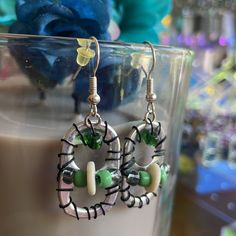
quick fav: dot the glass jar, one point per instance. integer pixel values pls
(37, 108)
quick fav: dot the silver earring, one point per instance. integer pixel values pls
(93, 133)
(149, 131)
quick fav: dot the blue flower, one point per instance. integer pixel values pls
(114, 87)
(48, 66)
(66, 18)
(47, 61)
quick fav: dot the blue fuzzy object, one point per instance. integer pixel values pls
(47, 67)
(66, 18)
(46, 62)
(113, 88)
(81, 19)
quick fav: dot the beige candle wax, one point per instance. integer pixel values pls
(29, 143)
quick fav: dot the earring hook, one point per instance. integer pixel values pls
(94, 97)
(150, 94)
(153, 57)
(97, 55)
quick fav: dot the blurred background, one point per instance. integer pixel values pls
(205, 201)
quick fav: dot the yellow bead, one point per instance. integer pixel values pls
(139, 60)
(155, 173)
(91, 180)
(84, 56)
(84, 42)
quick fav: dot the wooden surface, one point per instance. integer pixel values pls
(197, 215)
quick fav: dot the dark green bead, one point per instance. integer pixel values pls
(144, 178)
(80, 178)
(148, 138)
(93, 140)
(104, 179)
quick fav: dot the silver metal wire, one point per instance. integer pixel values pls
(67, 161)
(150, 94)
(94, 98)
(153, 58)
(97, 56)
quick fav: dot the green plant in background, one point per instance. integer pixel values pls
(228, 231)
(227, 71)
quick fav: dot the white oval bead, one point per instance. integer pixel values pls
(155, 172)
(91, 181)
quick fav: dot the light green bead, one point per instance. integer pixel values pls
(80, 178)
(144, 178)
(164, 176)
(104, 179)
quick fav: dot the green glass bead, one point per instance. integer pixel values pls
(104, 179)
(93, 140)
(148, 138)
(80, 178)
(144, 178)
(164, 173)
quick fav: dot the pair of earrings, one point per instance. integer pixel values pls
(114, 176)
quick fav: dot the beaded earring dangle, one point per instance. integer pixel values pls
(93, 133)
(149, 131)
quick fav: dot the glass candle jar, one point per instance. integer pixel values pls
(39, 103)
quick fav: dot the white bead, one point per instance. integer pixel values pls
(91, 181)
(155, 172)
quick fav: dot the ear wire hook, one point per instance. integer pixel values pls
(94, 98)
(151, 97)
(153, 58)
(97, 55)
